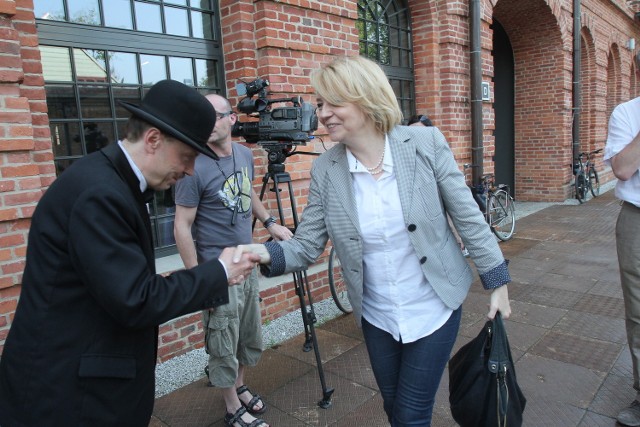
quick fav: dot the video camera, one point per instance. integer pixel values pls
(277, 126)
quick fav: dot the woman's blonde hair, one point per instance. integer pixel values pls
(360, 81)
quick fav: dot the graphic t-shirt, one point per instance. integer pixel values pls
(221, 190)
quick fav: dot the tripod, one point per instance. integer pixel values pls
(276, 155)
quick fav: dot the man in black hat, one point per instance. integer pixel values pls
(83, 343)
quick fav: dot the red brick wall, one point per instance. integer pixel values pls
(26, 166)
(284, 41)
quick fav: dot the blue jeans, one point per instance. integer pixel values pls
(408, 375)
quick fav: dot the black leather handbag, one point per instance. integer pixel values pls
(483, 390)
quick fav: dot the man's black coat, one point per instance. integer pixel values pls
(82, 346)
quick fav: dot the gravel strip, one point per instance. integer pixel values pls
(187, 368)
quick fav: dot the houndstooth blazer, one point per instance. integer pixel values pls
(430, 185)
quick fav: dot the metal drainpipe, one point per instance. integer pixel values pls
(577, 94)
(476, 90)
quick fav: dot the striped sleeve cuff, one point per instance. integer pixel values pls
(496, 277)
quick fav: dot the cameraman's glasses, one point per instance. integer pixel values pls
(223, 115)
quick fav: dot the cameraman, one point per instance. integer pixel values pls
(219, 200)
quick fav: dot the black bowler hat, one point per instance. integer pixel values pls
(179, 111)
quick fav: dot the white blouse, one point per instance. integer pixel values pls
(397, 298)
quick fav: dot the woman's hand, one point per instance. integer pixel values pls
(255, 248)
(500, 302)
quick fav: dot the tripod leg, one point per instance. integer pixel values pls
(301, 284)
(309, 318)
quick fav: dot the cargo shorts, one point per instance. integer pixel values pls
(233, 333)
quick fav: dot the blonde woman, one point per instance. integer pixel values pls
(382, 196)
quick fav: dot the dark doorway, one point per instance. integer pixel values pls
(503, 106)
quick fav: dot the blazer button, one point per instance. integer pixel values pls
(412, 227)
(423, 260)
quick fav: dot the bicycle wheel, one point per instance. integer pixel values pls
(581, 187)
(502, 215)
(594, 182)
(337, 285)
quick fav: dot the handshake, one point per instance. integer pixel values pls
(241, 260)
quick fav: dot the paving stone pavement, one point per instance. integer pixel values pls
(567, 337)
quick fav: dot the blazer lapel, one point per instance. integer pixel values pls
(342, 183)
(403, 150)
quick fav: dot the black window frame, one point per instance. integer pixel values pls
(386, 37)
(93, 37)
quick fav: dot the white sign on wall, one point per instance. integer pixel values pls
(486, 91)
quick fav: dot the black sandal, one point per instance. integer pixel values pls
(231, 419)
(255, 399)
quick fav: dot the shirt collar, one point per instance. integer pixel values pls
(136, 169)
(356, 167)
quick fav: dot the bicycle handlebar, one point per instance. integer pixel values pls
(589, 154)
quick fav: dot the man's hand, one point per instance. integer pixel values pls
(279, 232)
(500, 302)
(256, 249)
(238, 269)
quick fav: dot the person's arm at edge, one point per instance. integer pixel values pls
(277, 231)
(627, 161)
(185, 216)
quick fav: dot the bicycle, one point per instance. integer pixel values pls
(336, 283)
(496, 204)
(586, 176)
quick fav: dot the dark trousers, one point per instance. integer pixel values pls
(628, 245)
(408, 375)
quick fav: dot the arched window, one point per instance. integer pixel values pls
(385, 37)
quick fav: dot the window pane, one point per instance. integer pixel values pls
(153, 69)
(117, 13)
(97, 136)
(61, 165)
(94, 102)
(164, 202)
(56, 64)
(49, 9)
(90, 65)
(202, 25)
(120, 126)
(84, 11)
(148, 17)
(178, 2)
(176, 21)
(206, 73)
(66, 140)
(165, 230)
(202, 4)
(123, 67)
(181, 70)
(61, 101)
(126, 94)
(165, 225)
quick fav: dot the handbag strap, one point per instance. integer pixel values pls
(499, 360)
(499, 363)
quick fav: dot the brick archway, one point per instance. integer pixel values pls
(542, 96)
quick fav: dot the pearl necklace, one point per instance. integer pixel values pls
(378, 166)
